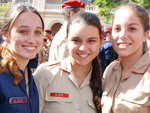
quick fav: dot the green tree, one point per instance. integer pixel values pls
(106, 7)
(145, 3)
(3, 10)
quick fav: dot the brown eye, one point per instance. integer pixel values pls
(38, 32)
(23, 32)
(132, 29)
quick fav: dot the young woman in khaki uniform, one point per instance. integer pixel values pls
(127, 81)
(74, 85)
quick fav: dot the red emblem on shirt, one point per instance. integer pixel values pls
(17, 100)
(59, 95)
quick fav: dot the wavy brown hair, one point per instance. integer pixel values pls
(96, 78)
(7, 59)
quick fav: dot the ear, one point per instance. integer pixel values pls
(146, 36)
(66, 39)
(6, 37)
(71, 14)
(108, 34)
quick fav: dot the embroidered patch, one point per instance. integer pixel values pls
(17, 100)
(59, 95)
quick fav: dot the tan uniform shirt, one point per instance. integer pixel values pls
(46, 55)
(49, 46)
(59, 48)
(59, 91)
(41, 53)
(131, 93)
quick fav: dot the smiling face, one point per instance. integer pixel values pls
(128, 33)
(25, 36)
(83, 43)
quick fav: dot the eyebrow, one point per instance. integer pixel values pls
(27, 27)
(133, 24)
(88, 38)
(127, 25)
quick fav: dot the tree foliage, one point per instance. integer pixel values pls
(145, 3)
(106, 7)
(3, 10)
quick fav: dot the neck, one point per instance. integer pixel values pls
(108, 39)
(81, 71)
(128, 62)
(22, 64)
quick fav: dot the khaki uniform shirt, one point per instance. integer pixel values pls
(131, 93)
(59, 91)
(41, 53)
(46, 55)
(49, 46)
(59, 48)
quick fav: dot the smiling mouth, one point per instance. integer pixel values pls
(83, 56)
(30, 48)
(124, 45)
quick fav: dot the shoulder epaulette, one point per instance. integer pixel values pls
(49, 63)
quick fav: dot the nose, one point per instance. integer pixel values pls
(123, 34)
(83, 47)
(31, 38)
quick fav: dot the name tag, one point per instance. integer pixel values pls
(59, 95)
(17, 100)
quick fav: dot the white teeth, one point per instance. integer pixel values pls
(83, 56)
(124, 44)
(31, 48)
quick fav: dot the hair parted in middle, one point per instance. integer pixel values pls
(7, 59)
(96, 78)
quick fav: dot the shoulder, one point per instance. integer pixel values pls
(47, 67)
(107, 44)
(46, 64)
(46, 71)
(111, 67)
(59, 37)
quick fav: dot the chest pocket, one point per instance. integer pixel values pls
(139, 98)
(57, 102)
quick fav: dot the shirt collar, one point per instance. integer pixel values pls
(140, 66)
(66, 66)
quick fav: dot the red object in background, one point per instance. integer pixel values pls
(44, 38)
(48, 30)
(53, 34)
(109, 28)
(73, 3)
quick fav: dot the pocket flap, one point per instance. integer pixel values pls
(91, 103)
(138, 98)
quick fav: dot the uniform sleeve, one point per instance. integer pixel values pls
(53, 50)
(43, 77)
(43, 52)
(39, 80)
(108, 71)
